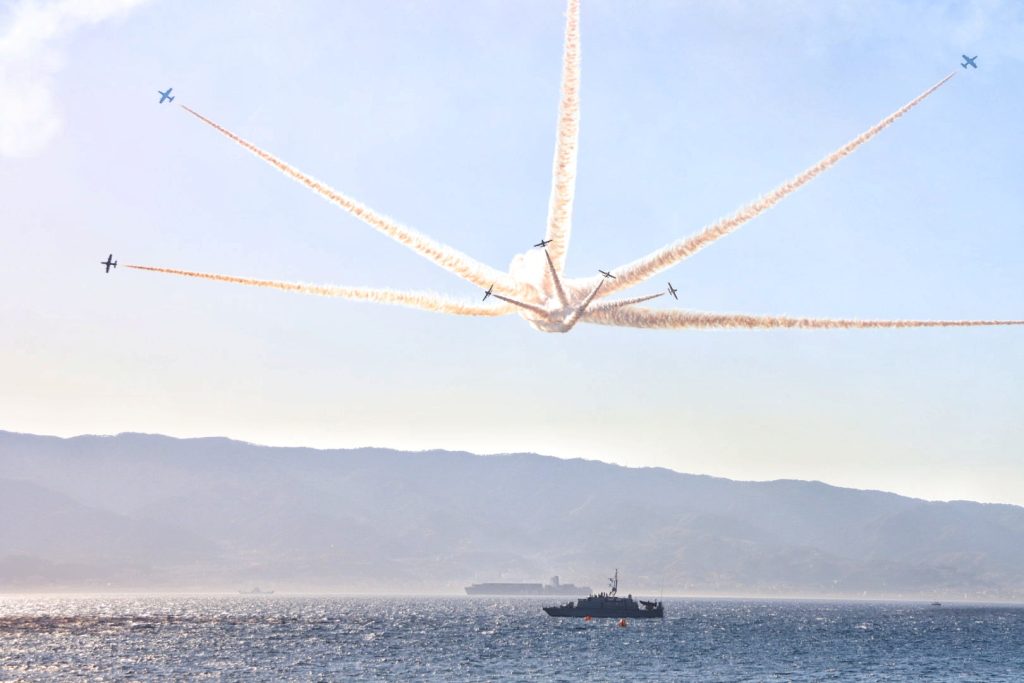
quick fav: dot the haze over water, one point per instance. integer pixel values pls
(465, 639)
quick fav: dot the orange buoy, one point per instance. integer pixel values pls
(588, 618)
(622, 622)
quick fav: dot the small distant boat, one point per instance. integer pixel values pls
(936, 604)
(256, 591)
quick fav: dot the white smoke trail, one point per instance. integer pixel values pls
(642, 269)
(671, 319)
(619, 303)
(571, 321)
(448, 258)
(423, 300)
(563, 181)
(562, 299)
(530, 307)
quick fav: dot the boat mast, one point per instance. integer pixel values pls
(614, 583)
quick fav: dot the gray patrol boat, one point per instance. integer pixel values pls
(609, 606)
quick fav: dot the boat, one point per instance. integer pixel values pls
(556, 587)
(609, 606)
(256, 591)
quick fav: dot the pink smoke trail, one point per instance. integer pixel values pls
(644, 268)
(671, 319)
(448, 258)
(423, 300)
(563, 182)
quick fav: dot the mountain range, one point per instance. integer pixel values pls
(149, 512)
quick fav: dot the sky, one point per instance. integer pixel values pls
(441, 115)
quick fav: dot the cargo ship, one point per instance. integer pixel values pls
(555, 587)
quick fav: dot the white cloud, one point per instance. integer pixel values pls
(31, 40)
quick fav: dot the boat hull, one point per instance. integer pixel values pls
(656, 613)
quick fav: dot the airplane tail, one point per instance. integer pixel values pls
(171, 99)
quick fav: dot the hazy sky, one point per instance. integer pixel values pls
(441, 114)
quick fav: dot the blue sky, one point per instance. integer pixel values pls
(441, 114)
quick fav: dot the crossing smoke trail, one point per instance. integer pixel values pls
(448, 258)
(522, 304)
(563, 181)
(530, 289)
(571, 321)
(423, 300)
(671, 320)
(644, 268)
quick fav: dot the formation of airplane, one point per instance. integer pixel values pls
(165, 95)
(109, 263)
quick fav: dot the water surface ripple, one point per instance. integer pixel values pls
(272, 638)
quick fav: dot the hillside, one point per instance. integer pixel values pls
(151, 512)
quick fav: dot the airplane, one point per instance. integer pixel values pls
(165, 95)
(488, 292)
(606, 273)
(109, 263)
(969, 60)
(543, 243)
(672, 290)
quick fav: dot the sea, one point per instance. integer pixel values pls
(331, 638)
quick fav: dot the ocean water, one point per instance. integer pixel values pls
(274, 638)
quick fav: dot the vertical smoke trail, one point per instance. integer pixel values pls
(644, 268)
(671, 319)
(422, 300)
(563, 181)
(571, 321)
(562, 299)
(454, 261)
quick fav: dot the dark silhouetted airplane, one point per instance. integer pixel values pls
(543, 243)
(165, 95)
(969, 61)
(488, 292)
(606, 273)
(672, 290)
(109, 263)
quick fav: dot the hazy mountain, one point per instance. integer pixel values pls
(140, 511)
